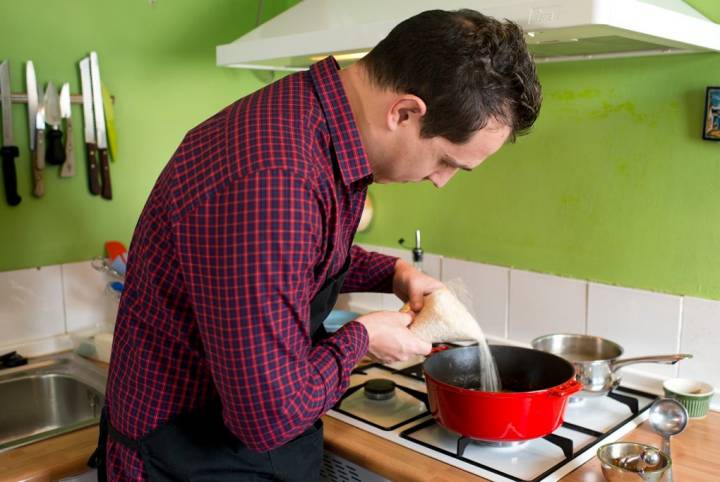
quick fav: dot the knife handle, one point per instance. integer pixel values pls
(9, 153)
(93, 180)
(105, 174)
(68, 167)
(38, 164)
(55, 153)
(40, 152)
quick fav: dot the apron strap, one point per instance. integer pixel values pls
(97, 459)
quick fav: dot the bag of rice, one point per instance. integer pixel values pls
(443, 319)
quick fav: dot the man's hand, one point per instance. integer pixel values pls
(412, 285)
(390, 339)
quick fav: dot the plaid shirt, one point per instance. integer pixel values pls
(257, 207)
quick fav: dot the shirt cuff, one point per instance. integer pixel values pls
(354, 337)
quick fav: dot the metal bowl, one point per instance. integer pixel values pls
(622, 461)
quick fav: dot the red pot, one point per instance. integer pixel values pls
(536, 386)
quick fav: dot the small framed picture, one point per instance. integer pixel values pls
(711, 130)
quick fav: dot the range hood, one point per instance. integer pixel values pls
(556, 30)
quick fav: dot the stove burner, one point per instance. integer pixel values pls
(463, 443)
(379, 389)
(564, 443)
(502, 445)
(630, 401)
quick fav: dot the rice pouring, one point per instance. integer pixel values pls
(444, 318)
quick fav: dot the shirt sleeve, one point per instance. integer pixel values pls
(248, 254)
(369, 271)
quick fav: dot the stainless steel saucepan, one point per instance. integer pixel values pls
(596, 359)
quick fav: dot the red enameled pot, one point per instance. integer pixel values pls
(535, 390)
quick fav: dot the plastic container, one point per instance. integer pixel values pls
(94, 343)
(337, 318)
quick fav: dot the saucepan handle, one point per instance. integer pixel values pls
(566, 389)
(669, 359)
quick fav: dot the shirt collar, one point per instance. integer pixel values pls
(351, 157)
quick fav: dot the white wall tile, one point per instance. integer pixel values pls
(642, 322)
(487, 288)
(31, 304)
(390, 302)
(87, 303)
(700, 333)
(432, 263)
(542, 304)
(360, 302)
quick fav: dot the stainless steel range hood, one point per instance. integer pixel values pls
(556, 30)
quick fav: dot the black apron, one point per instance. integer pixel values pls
(198, 447)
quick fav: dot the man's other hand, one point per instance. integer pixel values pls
(390, 338)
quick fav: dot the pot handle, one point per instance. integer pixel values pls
(668, 359)
(567, 388)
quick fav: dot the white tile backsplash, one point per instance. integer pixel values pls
(642, 322)
(40, 305)
(363, 302)
(542, 304)
(432, 263)
(87, 303)
(700, 335)
(31, 304)
(487, 290)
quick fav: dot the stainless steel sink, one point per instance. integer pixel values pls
(49, 397)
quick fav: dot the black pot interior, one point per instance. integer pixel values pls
(520, 369)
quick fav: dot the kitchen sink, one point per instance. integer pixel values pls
(51, 396)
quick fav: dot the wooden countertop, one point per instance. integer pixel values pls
(696, 455)
(49, 459)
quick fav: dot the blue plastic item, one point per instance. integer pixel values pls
(118, 265)
(337, 318)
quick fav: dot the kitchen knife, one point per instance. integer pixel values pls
(39, 163)
(9, 150)
(110, 123)
(100, 134)
(32, 95)
(68, 167)
(55, 152)
(89, 123)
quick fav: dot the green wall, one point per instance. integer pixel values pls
(159, 63)
(614, 184)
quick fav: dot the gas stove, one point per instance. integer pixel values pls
(391, 402)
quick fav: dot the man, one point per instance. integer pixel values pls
(220, 369)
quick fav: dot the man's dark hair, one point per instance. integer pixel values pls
(466, 67)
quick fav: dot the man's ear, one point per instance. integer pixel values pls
(404, 109)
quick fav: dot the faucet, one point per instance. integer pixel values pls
(417, 251)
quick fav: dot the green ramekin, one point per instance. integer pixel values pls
(694, 395)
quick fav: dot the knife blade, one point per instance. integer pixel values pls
(89, 126)
(106, 190)
(110, 123)
(68, 167)
(40, 132)
(55, 152)
(9, 150)
(32, 95)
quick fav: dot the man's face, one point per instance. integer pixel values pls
(436, 159)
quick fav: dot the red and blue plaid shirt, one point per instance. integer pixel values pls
(257, 207)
